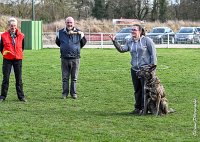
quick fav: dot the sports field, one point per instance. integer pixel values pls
(105, 98)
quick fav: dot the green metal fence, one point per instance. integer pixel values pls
(33, 34)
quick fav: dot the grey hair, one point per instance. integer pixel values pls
(12, 19)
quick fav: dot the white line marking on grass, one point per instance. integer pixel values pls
(163, 67)
(107, 70)
(195, 118)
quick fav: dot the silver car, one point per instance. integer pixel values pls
(187, 35)
(123, 35)
(198, 28)
(161, 35)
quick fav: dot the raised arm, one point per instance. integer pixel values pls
(117, 45)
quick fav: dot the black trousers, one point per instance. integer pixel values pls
(6, 69)
(138, 84)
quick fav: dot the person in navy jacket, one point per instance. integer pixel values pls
(70, 40)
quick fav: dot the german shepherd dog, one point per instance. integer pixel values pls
(155, 100)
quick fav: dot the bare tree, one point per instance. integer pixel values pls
(128, 8)
(51, 10)
(84, 8)
(163, 10)
(154, 12)
(19, 8)
(142, 9)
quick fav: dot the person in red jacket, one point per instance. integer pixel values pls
(11, 47)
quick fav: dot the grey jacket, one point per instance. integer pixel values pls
(143, 51)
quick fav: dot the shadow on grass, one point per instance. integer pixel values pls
(103, 113)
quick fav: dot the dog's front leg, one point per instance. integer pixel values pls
(158, 104)
(145, 101)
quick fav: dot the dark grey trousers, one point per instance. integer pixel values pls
(138, 84)
(70, 68)
(6, 69)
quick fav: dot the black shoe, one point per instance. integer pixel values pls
(136, 112)
(23, 100)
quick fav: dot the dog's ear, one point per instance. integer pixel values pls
(152, 67)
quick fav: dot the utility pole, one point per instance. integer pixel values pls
(33, 10)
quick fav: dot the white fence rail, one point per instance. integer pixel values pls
(102, 40)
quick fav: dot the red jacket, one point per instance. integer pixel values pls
(10, 51)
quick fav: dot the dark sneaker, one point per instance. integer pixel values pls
(23, 100)
(74, 96)
(136, 112)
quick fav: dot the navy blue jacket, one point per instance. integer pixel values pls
(70, 44)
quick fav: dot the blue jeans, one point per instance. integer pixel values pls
(6, 69)
(138, 84)
(70, 68)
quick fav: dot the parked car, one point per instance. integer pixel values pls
(187, 35)
(161, 35)
(198, 28)
(123, 35)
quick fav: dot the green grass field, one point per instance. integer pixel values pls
(105, 98)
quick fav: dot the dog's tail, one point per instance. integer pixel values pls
(171, 110)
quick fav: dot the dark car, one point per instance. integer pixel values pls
(187, 35)
(123, 35)
(161, 35)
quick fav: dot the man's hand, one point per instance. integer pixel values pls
(72, 32)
